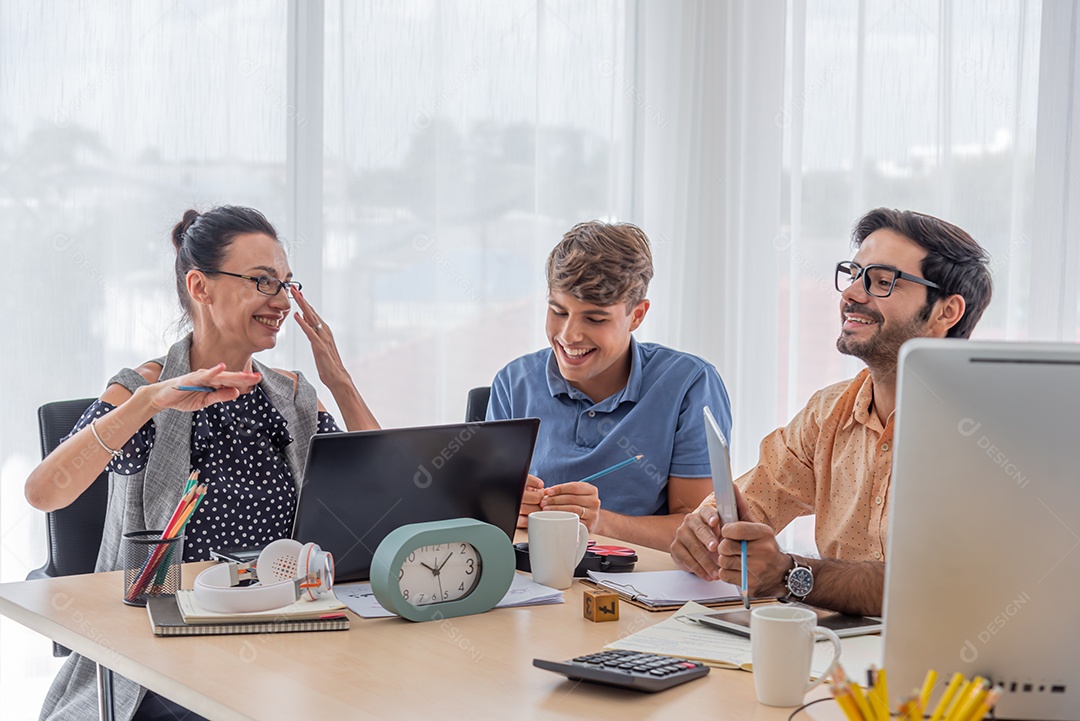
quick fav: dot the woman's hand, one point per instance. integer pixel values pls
(576, 497)
(327, 359)
(354, 410)
(226, 384)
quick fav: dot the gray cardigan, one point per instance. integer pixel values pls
(146, 500)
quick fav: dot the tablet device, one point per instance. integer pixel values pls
(738, 621)
(720, 462)
(245, 554)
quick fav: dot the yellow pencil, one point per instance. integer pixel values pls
(986, 705)
(862, 703)
(846, 703)
(915, 706)
(957, 700)
(880, 695)
(976, 693)
(927, 688)
(950, 691)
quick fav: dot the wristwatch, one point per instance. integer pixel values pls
(799, 581)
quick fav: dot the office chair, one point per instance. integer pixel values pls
(476, 405)
(74, 532)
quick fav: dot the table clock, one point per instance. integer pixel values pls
(442, 569)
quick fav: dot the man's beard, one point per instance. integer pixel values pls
(882, 349)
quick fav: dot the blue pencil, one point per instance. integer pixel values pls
(745, 590)
(199, 389)
(616, 467)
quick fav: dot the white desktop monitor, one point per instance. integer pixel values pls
(983, 560)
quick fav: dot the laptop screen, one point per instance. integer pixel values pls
(360, 486)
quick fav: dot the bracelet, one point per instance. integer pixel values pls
(117, 455)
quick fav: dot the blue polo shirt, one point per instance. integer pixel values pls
(658, 414)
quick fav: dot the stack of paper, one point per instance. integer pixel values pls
(523, 592)
(666, 588)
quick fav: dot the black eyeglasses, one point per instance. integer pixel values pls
(878, 280)
(265, 284)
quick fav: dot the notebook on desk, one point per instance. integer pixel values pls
(360, 486)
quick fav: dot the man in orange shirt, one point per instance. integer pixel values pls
(913, 276)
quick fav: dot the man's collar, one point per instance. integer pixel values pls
(864, 400)
(632, 392)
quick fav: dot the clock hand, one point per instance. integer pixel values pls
(434, 571)
(446, 559)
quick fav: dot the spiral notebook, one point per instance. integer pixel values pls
(166, 620)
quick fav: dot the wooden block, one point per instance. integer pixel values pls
(601, 606)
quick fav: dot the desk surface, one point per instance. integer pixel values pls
(380, 668)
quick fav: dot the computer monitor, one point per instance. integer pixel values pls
(983, 558)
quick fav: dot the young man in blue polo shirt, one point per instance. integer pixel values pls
(602, 397)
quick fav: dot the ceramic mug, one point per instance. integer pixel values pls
(782, 646)
(557, 542)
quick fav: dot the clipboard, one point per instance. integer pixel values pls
(627, 593)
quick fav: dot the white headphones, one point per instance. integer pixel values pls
(286, 572)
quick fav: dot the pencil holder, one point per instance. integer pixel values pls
(151, 566)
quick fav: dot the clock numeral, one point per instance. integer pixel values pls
(400, 574)
(461, 587)
(412, 557)
(472, 566)
(436, 547)
(421, 599)
(405, 594)
(445, 595)
(462, 551)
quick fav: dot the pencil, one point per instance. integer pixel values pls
(947, 697)
(616, 467)
(197, 389)
(927, 688)
(745, 591)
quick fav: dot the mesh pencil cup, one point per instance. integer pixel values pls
(151, 566)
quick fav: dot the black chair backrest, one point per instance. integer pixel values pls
(75, 531)
(476, 406)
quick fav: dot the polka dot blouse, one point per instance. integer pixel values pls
(238, 448)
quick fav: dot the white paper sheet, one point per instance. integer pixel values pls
(359, 598)
(666, 587)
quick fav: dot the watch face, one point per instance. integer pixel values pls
(800, 581)
(439, 573)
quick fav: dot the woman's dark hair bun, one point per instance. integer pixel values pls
(190, 216)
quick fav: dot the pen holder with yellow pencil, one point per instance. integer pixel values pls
(962, 700)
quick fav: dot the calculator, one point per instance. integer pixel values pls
(629, 669)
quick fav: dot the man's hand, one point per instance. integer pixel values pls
(766, 564)
(575, 497)
(696, 541)
(530, 502)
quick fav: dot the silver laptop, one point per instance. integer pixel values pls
(983, 558)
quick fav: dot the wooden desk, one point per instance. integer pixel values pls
(476, 667)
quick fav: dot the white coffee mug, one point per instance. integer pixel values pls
(782, 646)
(557, 542)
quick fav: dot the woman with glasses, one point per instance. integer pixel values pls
(206, 406)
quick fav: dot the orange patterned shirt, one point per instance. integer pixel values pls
(833, 459)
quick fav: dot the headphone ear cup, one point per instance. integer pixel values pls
(279, 561)
(317, 563)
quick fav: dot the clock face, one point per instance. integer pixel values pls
(800, 582)
(440, 573)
